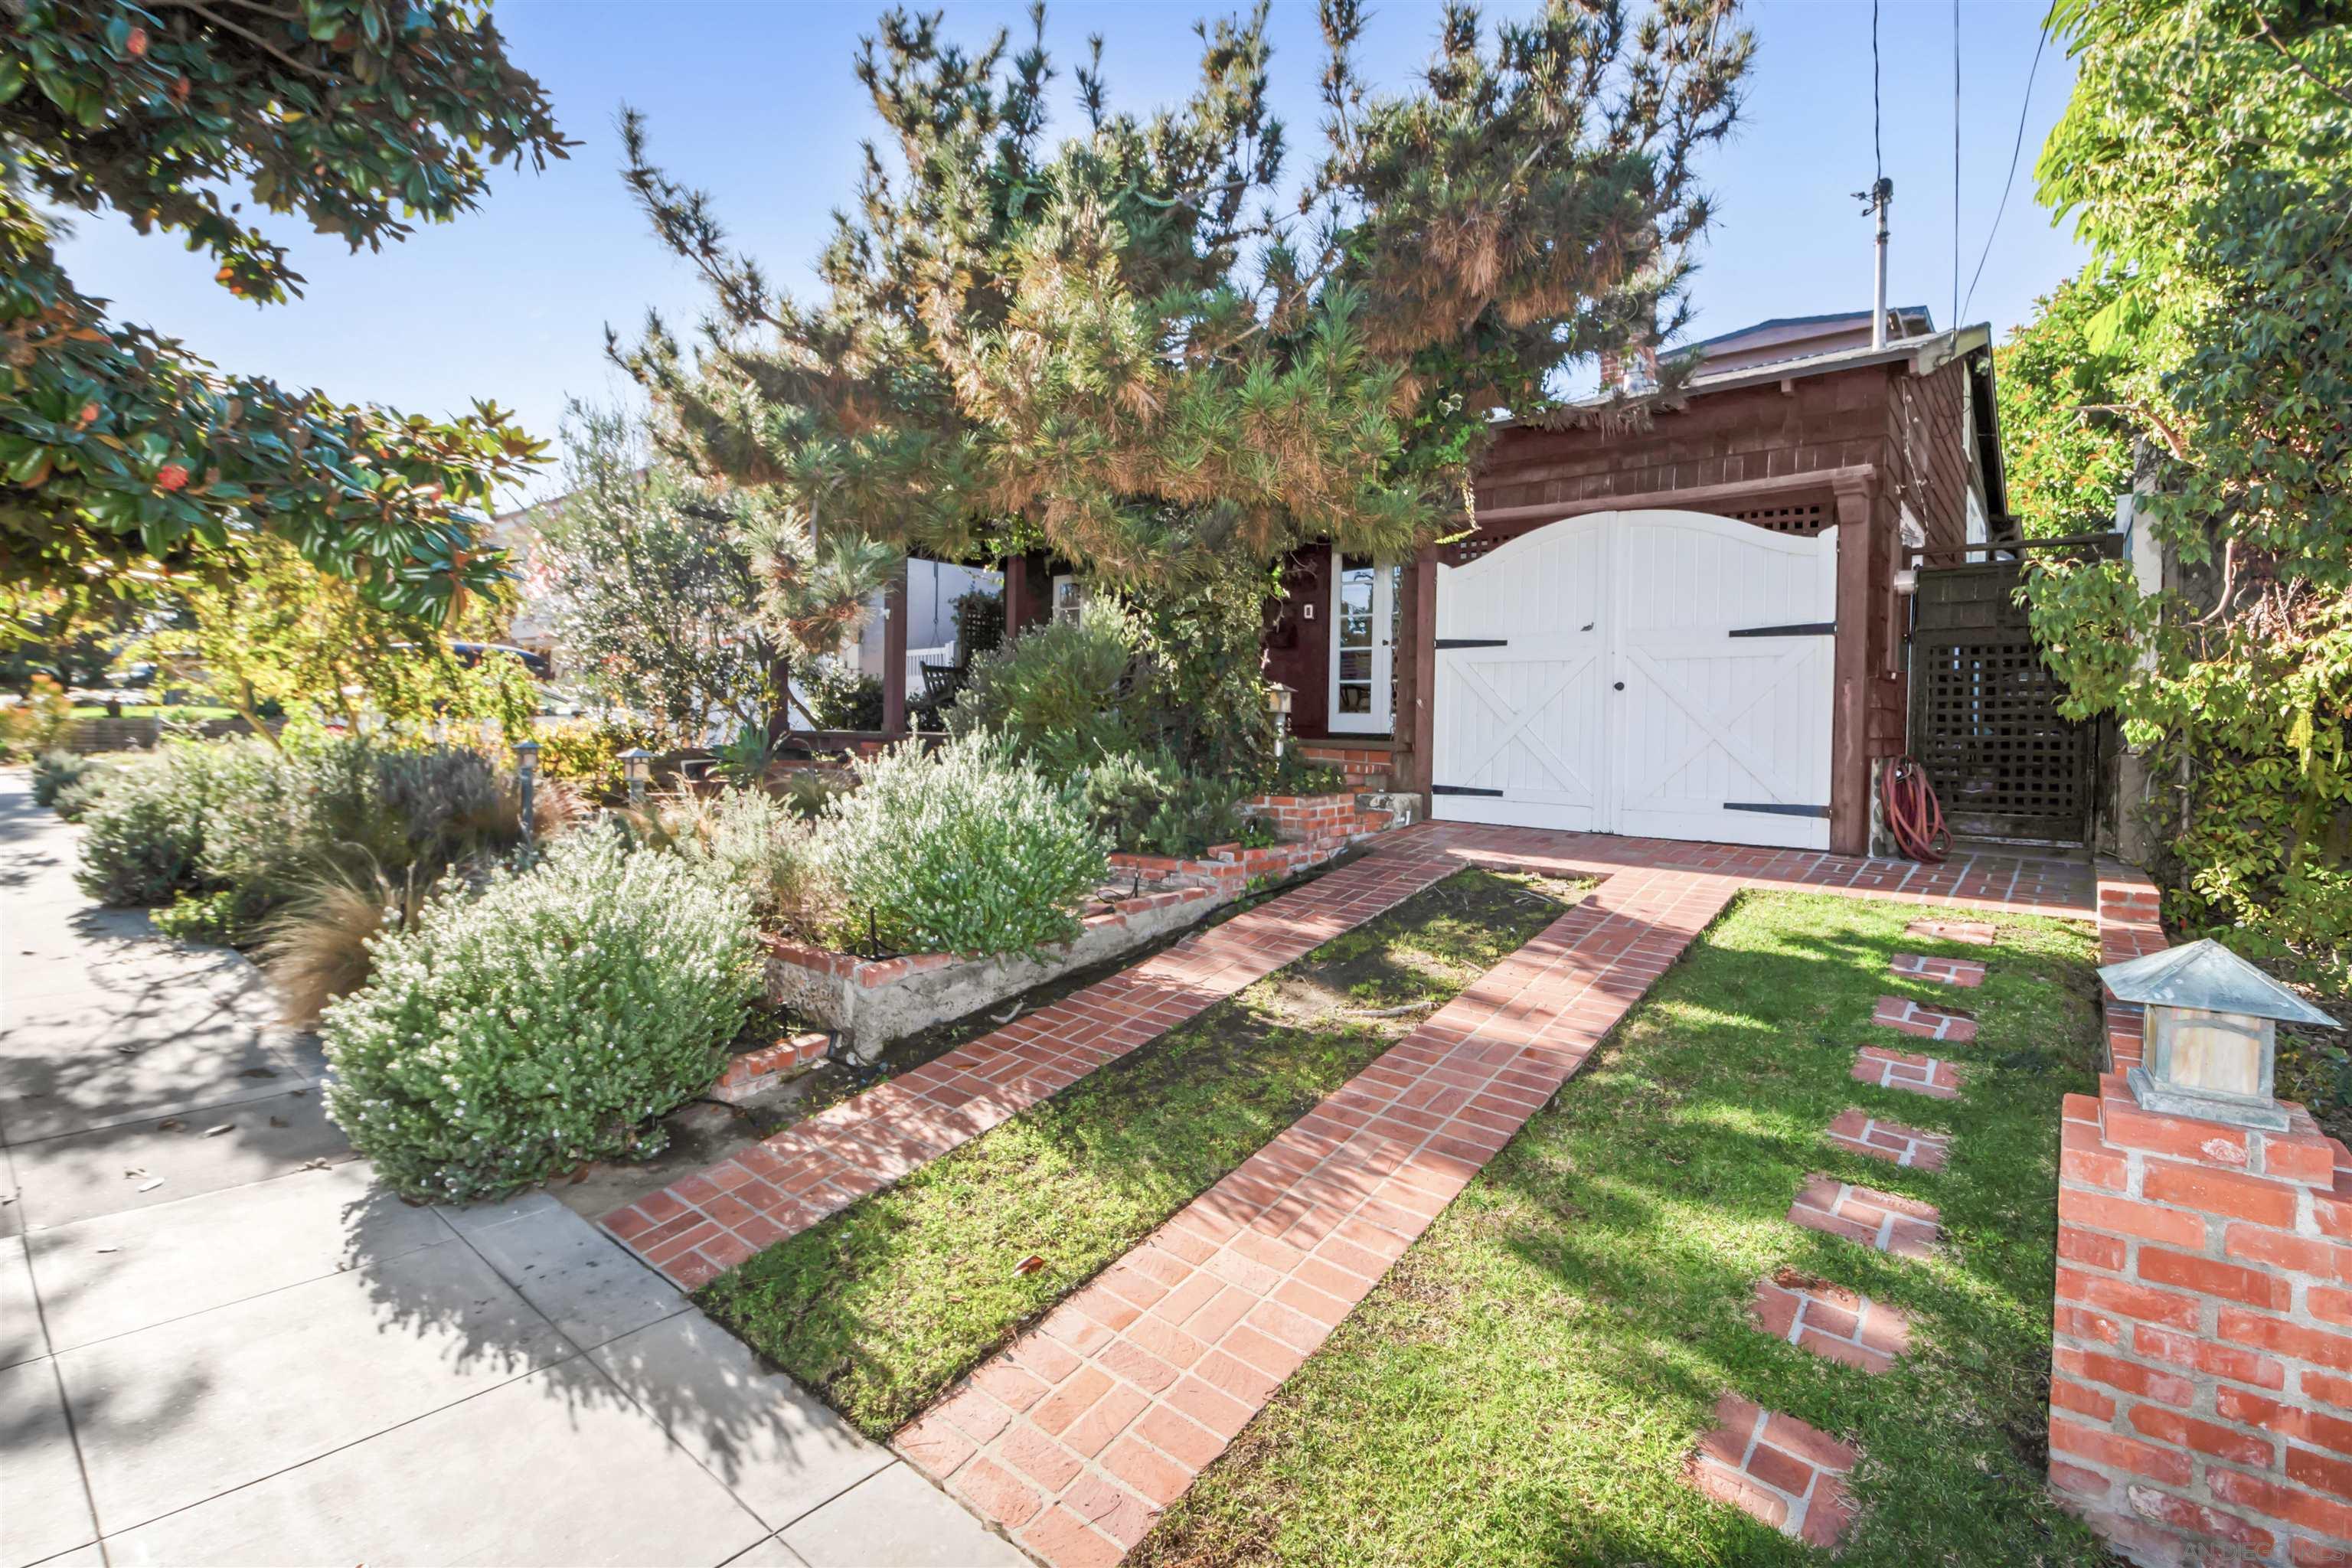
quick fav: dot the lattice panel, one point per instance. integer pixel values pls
(1985, 723)
(1806, 521)
(1463, 551)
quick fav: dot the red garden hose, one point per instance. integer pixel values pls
(1913, 812)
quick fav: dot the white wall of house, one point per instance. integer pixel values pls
(932, 589)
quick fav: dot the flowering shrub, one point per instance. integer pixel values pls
(964, 850)
(55, 773)
(511, 1036)
(750, 839)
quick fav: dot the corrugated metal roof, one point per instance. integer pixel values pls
(2206, 975)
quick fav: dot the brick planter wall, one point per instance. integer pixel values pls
(750, 1073)
(1366, 767)
(2200, 1391)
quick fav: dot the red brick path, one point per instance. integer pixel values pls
(1976, 933)
(1909, 1017)
(1905, 1227)
(713, 1220)
(1931, 1076)
(1776, 1469)
(1831, 1321)
(1890, 1141)
(1961, 971)
(1076, 1435)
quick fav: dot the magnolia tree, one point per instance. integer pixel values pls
(124, 457)
(1149, 345)
(2206, 156)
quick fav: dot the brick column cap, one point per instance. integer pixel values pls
(2302, 1154)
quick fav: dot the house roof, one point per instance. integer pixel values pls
(1904, 314)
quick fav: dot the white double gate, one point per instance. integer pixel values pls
(1664, 673)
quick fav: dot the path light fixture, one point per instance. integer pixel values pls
(638, 767)
(1278, 698)
(526, 756)
(2212, 1033)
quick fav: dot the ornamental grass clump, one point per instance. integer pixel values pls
(546, 1021)
(960, 851)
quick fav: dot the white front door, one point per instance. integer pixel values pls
(1364, 646)
(1659, 673)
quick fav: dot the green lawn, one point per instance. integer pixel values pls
(157, 710)
(885, 1304)
(1525, 1385)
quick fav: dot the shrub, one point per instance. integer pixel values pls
(199, 917)
(839, 698)
(543, 1023)
(55, 772)
(962, 851)
(75, 800)
(1055, 692)
(749, 839)
(1146, 803)
(33, 725)
(144, 834)
(586, 753)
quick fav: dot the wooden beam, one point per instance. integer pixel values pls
(1414, 671)
(894, 654)
(1016, 595)
(1849, 700)
(1692, 497)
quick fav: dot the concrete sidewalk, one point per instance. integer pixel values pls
(229, 1347)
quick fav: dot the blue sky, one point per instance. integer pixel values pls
(754, 100)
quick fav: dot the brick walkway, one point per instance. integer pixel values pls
(1074, 1436)
(711, 1221)
(1077, 1434)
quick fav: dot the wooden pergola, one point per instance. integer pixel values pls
(1028, 586)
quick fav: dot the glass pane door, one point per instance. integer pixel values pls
(1363, 638)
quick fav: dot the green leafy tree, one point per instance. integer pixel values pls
(684, 600)
(1144, 345)
(124, 457)
(261, 630)
(2206, 156)
(2066, 439)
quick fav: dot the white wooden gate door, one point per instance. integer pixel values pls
(1662, 673)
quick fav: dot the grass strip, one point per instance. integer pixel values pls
(1523, 1386)
(885, 1304)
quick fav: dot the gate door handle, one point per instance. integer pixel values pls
(1620, 686)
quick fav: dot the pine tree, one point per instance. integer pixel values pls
(1140, 347)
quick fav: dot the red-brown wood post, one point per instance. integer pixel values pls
(1415, 671)
(894, 654)
(1016, 593)
(1850, 715)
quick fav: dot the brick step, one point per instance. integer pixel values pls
(1976, 933)
(1776, 1470)
(1900, 1012)
(1930, 1076)
(1862, 1133)
(1886, 1221)
(1965, 972)
(1831, 1321)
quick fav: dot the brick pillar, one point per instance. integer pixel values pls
(2128, 929)
(2200, 1389)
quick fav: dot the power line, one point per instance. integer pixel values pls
(2023, 110)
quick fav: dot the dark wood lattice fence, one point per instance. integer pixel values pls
(1984, 713)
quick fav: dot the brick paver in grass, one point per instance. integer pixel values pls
(1901, 1227)
(1976, 933)
(1777, 1469)
(1927, 1022)
(1966, 972)
(714, 1220)
(1890, 1141)
(1930, 1076)
(1831, 1321)
(1077, 1434)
